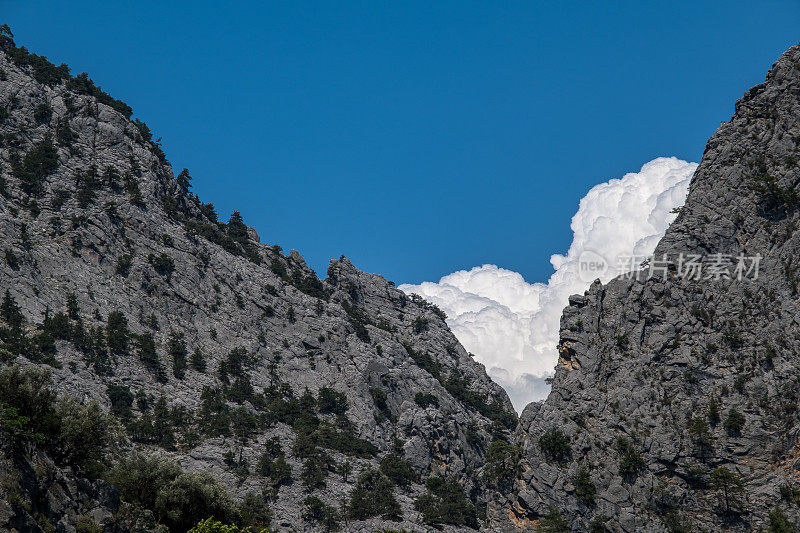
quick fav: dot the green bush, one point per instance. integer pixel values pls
(713, 412)
(426, 399)
(318, 512)
(85, 524)
(372, 496)
(10, 312)
(398, 470)
(255, 512)
(700, 435)
(379, 397)
(149, 357)
(779, 522)
(176, 349)
(82, 84)
(502, 464)
(734, 422)
(209, 525)
(445, 503)
(121, 399)
(198, 360)
(331, 401)
(214, 416)
(584, 487)
(555, 446)
(85, 433)
(458, 387)
(163, 264)
(272, 464)
(315, 470)
(64, 134)
(631, 461)
(58, 326)
(88, 183)
(79, 434)
(117, 334)
(178, 499)
(553, 522)
(280, 473)
(42, 113)
(33, 169)
(28, 391)
(124, 263)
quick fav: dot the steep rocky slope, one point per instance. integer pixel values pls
(675, 401)
(209, 347)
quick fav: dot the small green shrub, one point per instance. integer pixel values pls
(11, 259)
(779, 522)
(555, 446)
(502, 464)
(42, 113)
(124, 263)
(398, 470)
(700, 435)
(33, 169)
(332, 401)
(734, 422)
(85, 524)
(117, 333)
(445, 503)
(584, 487)
(372, 496)
(553, 522)
(121, 399)
(631, 461)
(426, 399)
(163, 264)
(176, 349)
(198, 360)
(318, 512)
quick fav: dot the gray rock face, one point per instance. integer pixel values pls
(662, 382)
(109, 223)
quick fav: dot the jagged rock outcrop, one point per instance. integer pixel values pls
(671, 391)
(135, 296)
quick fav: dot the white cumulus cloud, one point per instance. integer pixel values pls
(510, 325)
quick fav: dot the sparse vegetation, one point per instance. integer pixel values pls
(555, 446)
(631, 461)
(35, 166)
(733, 422)
(445, 503)
(373, 496)
(502, 464)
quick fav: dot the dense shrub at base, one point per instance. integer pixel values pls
(79, 434)
(178, 499)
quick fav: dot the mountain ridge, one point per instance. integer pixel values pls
(211, 349)
(674, 402)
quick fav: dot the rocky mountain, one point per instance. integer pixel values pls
(160, 367)
(675, 401)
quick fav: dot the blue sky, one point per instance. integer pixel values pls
(416, 138)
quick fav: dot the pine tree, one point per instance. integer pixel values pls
(11, 312)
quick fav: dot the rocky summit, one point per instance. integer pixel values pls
(675, 401)
(160, 367)
(162, 370)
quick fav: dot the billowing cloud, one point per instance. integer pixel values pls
(510, 325)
